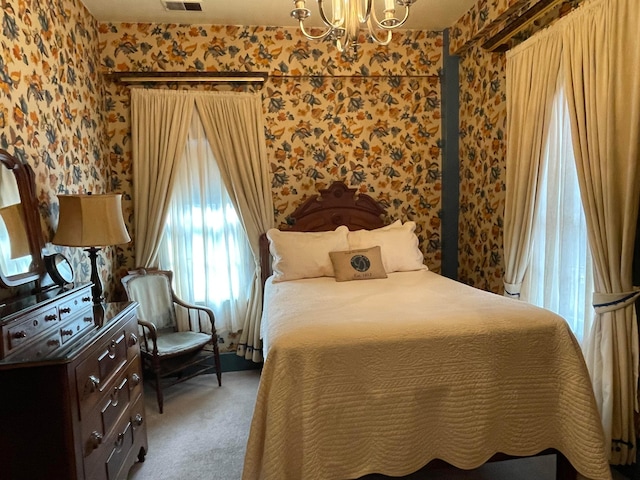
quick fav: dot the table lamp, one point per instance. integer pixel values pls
(91, 221)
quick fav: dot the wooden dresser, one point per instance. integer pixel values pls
(71, 394)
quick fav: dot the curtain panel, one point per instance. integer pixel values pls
(603, 90)
(160, 121)
(532, 74)
(235, 128)
(600, 48)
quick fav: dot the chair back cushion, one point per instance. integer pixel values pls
(153, 294)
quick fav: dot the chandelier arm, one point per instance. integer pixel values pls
(314, 37)
(388, 27)
(324, 18)
(373, 33)
(367, 11)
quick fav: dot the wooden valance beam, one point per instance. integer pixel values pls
(498, 41)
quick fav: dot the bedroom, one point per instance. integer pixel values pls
(74, 144)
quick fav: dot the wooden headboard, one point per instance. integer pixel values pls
(330, 208)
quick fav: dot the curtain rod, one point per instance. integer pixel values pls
(197, 76)
(228, 77)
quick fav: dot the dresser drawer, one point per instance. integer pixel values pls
(110, 451)
(77, 326)
(95, 373)
(39, 349)
(74, 304)
(25, 331)
(116, 398)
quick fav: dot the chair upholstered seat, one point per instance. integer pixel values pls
(179, 339)
(170, 343)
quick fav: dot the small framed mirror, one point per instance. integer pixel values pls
(59, 269)
(20, 231)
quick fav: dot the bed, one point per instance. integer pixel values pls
(405, 368)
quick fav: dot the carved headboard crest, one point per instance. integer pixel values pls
(330, 208)
(335, 206)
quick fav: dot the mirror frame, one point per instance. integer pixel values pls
(25, 178)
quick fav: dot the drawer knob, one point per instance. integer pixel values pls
(138, 420)
(66, 332)
(65, 310)
(115, 397)
(86, 299)
(133, 340)
(96, 439)
(53, 343)
(88, 319)
(112, 349)
(20, 334)
(93, 383)
(119, 440)
(135, 379)
(50, 318)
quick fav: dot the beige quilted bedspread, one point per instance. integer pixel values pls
(385, 375)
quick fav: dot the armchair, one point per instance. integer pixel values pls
(170, 353)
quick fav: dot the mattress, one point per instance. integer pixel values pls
(383, 376)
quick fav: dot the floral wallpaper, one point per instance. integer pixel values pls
(482, 169)
(51, 109)
(373, 122)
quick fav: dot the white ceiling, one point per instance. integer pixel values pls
(425, 14)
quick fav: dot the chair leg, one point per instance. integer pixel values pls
(217, 360)
(159, 395)
(216, 357)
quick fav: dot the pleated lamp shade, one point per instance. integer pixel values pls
(91, 221)
(13, 218)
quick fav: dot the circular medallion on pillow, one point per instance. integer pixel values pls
(360, 263)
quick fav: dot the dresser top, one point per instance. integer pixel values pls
(101, 319)
(10, 309)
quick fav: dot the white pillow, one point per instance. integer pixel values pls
(398, 243)
(304, 254)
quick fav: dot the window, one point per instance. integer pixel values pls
(204, 243)
(559, 276)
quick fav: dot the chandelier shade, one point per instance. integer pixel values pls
(345, 18)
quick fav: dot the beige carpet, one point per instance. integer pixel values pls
(203, 434)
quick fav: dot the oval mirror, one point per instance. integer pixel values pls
(20, 232)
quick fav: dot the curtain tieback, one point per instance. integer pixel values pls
(608, 302)
(512, 290)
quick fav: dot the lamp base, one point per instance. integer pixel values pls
(96, 289)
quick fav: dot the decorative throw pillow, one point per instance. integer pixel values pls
(363, 264)
(398, 243)
(304, 254)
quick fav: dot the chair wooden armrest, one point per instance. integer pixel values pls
(198, 308)
(149, 331)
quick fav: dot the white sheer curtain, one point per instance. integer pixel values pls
(204, 242)
(560, 276)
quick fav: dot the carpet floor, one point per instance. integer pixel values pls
(204, 429)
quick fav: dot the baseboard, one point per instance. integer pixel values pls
(231, 362)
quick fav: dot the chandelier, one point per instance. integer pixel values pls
(349, 16)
